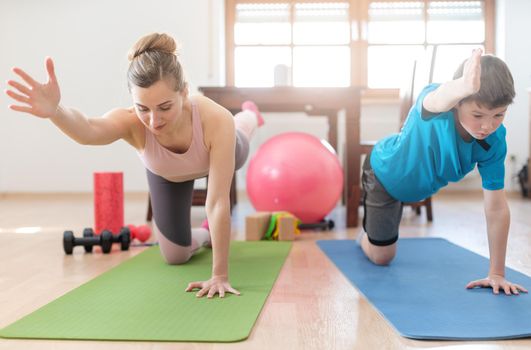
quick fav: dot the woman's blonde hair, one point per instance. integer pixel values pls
(153, 58)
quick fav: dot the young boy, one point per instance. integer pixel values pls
(452, 127)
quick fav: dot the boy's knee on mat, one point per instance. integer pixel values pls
(381, 259)
(381, 255)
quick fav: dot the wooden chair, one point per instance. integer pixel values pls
(407, 99)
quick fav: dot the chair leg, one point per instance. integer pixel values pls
(429, 212)
(233, 193)
(149, 214)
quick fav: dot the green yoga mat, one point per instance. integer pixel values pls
(143, 299)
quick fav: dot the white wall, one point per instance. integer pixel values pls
(89, 41)
(514, 46)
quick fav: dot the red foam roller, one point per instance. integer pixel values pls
(108, 202)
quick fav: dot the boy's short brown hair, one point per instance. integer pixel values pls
(497, 84)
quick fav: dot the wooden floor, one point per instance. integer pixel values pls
(312, 306)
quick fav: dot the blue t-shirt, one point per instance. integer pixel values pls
(429, 152)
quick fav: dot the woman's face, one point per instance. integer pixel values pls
(159, 106)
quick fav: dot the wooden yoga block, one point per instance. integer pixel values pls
(256, 226)
(286, 230)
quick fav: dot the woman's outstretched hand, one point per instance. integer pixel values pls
(38, 99)
(215, 285)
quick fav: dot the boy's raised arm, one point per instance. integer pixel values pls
(446, 96)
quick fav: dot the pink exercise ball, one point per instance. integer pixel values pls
(295, 172)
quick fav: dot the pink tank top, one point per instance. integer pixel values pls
(178, 167)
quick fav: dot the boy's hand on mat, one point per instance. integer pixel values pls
(215, 285)
(497, 282)
(38, 99)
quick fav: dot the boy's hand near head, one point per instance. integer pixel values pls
(450, 93)
(472, 73)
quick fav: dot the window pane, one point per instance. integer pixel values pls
(456, 22)
(387, 65)
(262, 24)
(321, 66)
(448, 58)
(396, 22)
(255, 66)
(321, 23)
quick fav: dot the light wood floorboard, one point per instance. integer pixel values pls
(312, 306)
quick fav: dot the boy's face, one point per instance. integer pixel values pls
(479, 121)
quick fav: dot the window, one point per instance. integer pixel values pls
(300, 44)
(351, 42)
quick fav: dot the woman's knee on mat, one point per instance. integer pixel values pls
(173, 253)
(176, 259)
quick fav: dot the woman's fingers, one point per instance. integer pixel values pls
(211, 289)
(50, 69)
(233, 291)
(21, 109)
(18, 97)
(25, 76)
(193, 285)
(212, 292)
(19, 87)
(202, 292)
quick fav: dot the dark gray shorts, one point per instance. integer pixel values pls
(382, 213)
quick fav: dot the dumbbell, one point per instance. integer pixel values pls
(321, 225)
(124, 238)
(89, 240)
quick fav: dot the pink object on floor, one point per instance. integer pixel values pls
(295, 172)
(142, 232)
(251, 106)
(204, 225)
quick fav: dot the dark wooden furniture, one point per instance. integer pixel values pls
(313, 101)
(529, 159)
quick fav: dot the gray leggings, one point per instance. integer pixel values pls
(172, 203)
(382, 213)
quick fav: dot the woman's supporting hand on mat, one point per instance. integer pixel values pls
(38, 99)
(497, 282)
(215, 285)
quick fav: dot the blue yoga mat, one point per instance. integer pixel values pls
(422, 293)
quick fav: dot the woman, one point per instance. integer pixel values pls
(178, 137)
